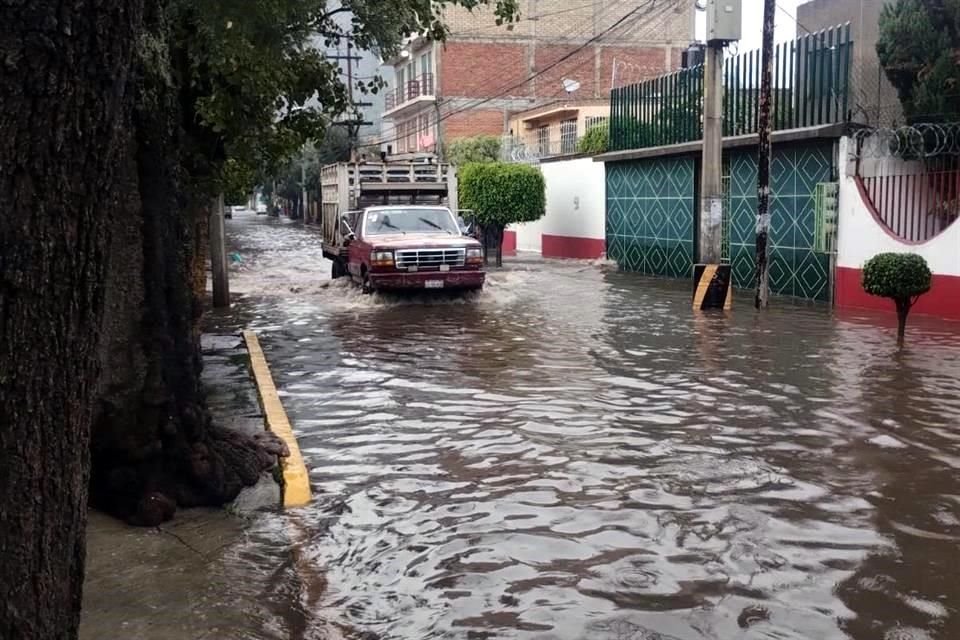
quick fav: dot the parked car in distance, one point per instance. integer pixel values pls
(408, 247)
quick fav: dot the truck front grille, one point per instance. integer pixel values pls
(426, 258)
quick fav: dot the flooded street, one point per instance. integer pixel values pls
(573, 454)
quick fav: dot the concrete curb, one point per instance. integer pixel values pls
(296, 481)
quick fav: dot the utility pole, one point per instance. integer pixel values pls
(218, 255)
(711, 187)
(763, 158)
(711, 278)
(303, 188)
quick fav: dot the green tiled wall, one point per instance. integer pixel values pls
(795, 269)
(650, 214)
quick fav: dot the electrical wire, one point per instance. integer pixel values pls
(495, 73)
(537, 74)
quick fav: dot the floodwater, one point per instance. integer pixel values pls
(573, 454)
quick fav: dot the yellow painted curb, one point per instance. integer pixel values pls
(296, 482)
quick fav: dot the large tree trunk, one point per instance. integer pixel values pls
(154, 445)
(63, 133)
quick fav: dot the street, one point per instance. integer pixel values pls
(574, 454)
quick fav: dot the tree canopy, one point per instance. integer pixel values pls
(919, 49)
(253, 77)
(474, 149)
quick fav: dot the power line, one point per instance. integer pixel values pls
(539, 73)
(548, 14)
(495, 72)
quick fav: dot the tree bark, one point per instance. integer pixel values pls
(154, 445)
(63, 133)
(903, 309)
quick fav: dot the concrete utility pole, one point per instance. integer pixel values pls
(711, 186)
(218, 255)
(711, 279)
(763, 158)
(304, 207)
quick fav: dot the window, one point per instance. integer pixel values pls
(595, 121)
(426, 73)
(401, 137)
(412, 135)
(568, 136)
(410, 220)
(401, 84)
(424, 131)
(543, 140)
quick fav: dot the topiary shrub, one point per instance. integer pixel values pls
(595, 141)
(500, 194)
(902, 277)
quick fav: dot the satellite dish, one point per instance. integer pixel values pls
(570, 85)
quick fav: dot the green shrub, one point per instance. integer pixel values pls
(902, 277)
(596, 140)
(499, 194)
(476, 149)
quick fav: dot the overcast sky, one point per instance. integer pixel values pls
(786, 28)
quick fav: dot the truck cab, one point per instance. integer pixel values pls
(410, 247)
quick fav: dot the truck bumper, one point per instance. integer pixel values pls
(428, 280)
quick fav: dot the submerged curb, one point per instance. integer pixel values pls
(296, 482)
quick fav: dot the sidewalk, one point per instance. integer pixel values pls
(180, 580)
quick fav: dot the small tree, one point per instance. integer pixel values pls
(903, 277)
(595, 141)
(476, 149)
(500, 194)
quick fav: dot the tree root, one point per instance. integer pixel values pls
(210, 471)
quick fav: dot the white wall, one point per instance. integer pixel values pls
(860, 236)
(576, 203)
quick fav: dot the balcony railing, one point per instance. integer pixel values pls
(420, 86)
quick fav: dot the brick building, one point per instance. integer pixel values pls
(484, 72)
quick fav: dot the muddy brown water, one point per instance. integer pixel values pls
(573, 454)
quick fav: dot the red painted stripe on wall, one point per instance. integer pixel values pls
(509, 246)
(572, 247)
(943, 299)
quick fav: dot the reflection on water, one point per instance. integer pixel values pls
(573, 454)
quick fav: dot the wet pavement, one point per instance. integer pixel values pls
(572, 454)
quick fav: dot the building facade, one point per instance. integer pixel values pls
(557, 52)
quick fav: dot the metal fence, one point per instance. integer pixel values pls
(910, 177)
(810, 88)
(550, 142)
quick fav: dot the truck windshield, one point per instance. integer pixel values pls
(409, 220)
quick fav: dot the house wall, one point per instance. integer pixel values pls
(574, 225)
(530, 136)
(861, 235)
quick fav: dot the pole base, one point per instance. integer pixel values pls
(711, 287)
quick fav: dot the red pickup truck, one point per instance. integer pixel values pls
(398, 247)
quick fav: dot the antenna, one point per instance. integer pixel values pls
(570, 85)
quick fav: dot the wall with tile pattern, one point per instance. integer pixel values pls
(652, 216)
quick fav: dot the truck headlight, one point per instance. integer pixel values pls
(474, 254)
(381, 258)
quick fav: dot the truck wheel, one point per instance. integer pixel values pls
(367, 286)
(337, 270)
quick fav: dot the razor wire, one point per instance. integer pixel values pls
(918, 141)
